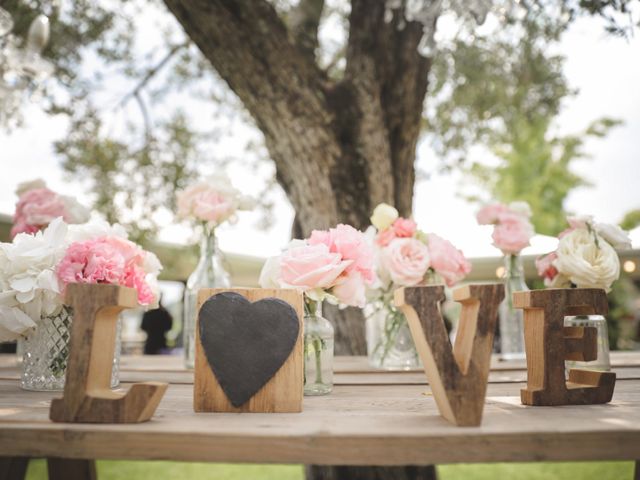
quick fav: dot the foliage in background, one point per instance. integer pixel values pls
(503, 91)
(132, 138)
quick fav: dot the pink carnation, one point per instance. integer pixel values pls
(351, 244)
(512, 233)
(404, 227)
(108, 260)
(447, 260)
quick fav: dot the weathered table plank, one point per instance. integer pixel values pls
(365, 421)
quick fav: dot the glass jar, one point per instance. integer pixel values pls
(318, 350)
(389, 342)
(46, 353)
(511, 319)
(209, 273)
(602, 362)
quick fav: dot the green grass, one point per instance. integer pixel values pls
(114, 470)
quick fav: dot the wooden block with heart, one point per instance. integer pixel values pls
(249, 351)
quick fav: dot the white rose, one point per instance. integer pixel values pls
(383, 216)
(521, 208)
(616, 236)
(586, 264)
(580, 221)
(270, 274)
(75, 212)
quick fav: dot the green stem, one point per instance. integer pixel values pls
(317, 346)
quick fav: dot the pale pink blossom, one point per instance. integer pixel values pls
(407, 261)
(449, 262)
(404, 227)
(351, 290)
(512, 233)
(385, 237)
(308, 267)
(351, 244)
(546, 268)
(488, 215)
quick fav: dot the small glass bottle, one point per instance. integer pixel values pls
(599, 322)
(512, 319)
(209, 273)
(318, 350)
(389, 342)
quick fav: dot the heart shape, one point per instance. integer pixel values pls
(246, 343)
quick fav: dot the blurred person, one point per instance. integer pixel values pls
(156, 323)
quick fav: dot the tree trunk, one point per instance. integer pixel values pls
(340, 146)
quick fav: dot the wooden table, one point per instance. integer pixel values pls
(371, 418)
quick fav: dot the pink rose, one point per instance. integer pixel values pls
(545, 267)
(36, 209)
(488, 215)
(512, 233)
(307, 267)
(404, 227)
(351, 244)
(351, 290)
(407, 261)
(385, 237)
(205, 204)
(447, 260)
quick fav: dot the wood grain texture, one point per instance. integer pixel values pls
(458, 375)
(282, 394)
(548, 344)
(88, 397)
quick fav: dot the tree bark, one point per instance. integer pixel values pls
(340, 146)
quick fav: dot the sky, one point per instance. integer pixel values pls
(605, 70)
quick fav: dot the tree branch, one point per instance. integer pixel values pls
(304, 23)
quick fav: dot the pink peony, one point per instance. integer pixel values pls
(407, 261)
(545, 267)
(447, 260)
(404, 227)
(512, 233)
(488, 215)
(308, 267)
(385, 237)
(351, 244)
(351, 290)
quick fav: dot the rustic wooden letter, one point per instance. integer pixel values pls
(549, 343)
(88, 397)
(249, 356)
(458, 375)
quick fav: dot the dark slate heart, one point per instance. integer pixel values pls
(246, 343)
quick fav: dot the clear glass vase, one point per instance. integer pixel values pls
(318, 351)
(46, 353)
(512, 319)
(209, 273)
(602, 362)
(389, 342)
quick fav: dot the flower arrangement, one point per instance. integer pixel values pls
(405, 256)
(334, 265)
(586, 256)
(38, 206)
(512, 230)
(36, 268)
(212, 201)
